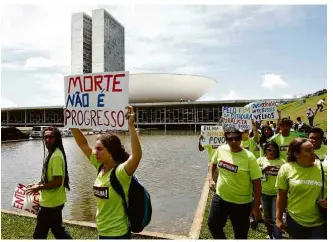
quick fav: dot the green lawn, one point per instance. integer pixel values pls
(297, 109)
(19, 227)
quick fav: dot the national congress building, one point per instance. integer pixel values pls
(161, 100)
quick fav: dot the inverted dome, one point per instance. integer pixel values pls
(152, 87)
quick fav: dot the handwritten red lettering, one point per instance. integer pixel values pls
(115, 82)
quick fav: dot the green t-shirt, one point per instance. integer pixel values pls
(283, 142)
(304, 189)
(253, 147)
(322, 152)
(111, 218)
(210, 150)
(236, 172)
(54, 197)
(268, 184)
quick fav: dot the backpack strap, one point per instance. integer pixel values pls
(118, 188)
(323, 180)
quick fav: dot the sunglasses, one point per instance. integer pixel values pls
(270, 150)
(238, 138)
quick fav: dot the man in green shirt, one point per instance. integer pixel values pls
(316, 135)
(52, 188)
(285, 136)
(238, 173)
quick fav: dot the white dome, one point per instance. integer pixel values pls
(152, 87)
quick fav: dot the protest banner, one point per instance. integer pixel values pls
(236, 117)
(264, 110)
(96, 100)
(21, 200)
(213, 135)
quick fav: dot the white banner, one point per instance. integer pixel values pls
(264, 110)
(213, 135)
(21, 200)
(97, 100)
(236, 117)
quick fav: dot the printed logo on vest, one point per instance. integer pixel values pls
(283, 147)
(228, 166)
(273, 171)
(101, 192)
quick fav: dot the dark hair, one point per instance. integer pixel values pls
(316, 130)
(228, 131)
(277, 153)
(286, 121)
(113, 145)
(57, 145)
(263, 138)
(294, 148)
(298, 119)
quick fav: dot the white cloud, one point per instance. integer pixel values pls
(287, 96)
(39, 62)
(232, 95)
(6, 103)
(191, 42)
(271, 81)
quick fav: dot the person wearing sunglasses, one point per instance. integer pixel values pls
(238, 173)
(285, 136)
(300, 183)
(316, 135)
(270, 165)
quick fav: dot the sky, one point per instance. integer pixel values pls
(252, 51)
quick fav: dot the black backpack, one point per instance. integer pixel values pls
(138, 209)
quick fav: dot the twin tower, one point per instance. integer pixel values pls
(98, 43)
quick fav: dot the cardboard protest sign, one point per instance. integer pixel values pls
(213, 135)
(236, 117)
(21, 200)
(96, 100)
(264, 110)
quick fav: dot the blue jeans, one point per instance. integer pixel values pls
(128, 235)
(297, 231)
(219, 212)
(269, 206)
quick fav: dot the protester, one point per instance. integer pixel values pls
(266, 134)
(251, 144)
(320, 105)
(316, 135)
(300, 192)
(310, 114)
(238, 174)
(108, 154)
(285, 136)
(52, 186)
(270, 165)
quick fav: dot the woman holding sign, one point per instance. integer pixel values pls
(108, 154)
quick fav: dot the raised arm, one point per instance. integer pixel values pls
(255, 131)
(82, 142)
(133, 161)
(200, 147)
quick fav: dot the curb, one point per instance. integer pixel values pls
(93, 225)
(200, 212)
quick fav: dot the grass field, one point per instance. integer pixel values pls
(19, 227)
(297, 109)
